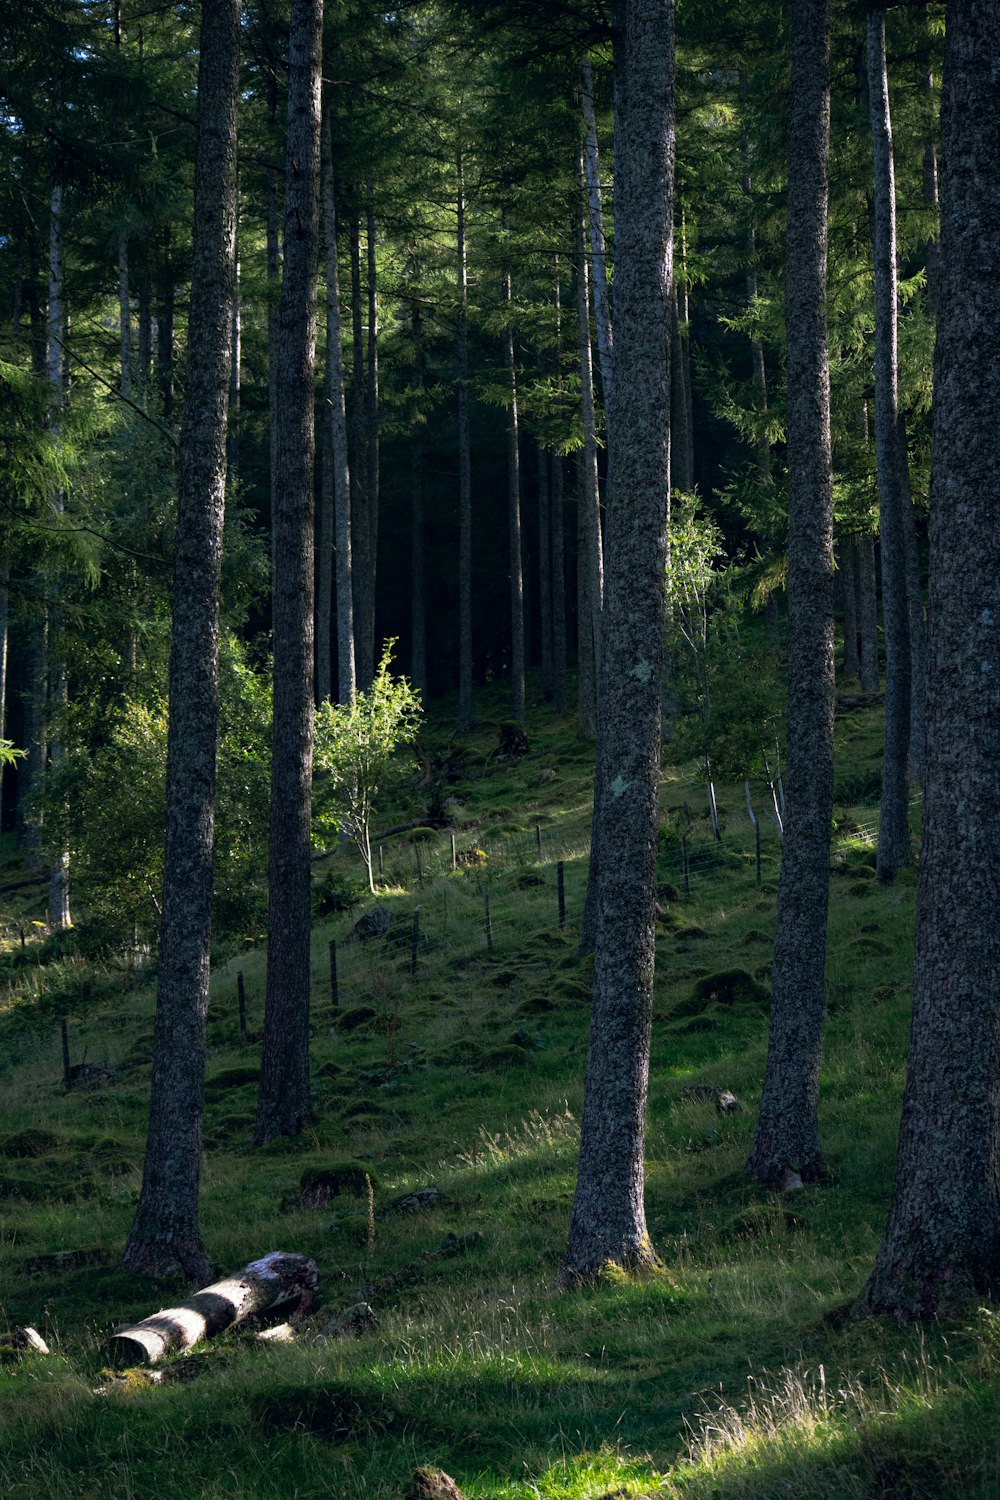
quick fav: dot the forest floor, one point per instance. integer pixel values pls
(735, 1369)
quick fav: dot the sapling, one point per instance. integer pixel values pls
(355, 755)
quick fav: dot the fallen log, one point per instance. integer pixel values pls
(275, 1281)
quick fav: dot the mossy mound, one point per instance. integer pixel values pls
(354, 1020)
(499, 1059)
(30, 1143)
(318, 1184)
(732, 989)
(232, 1078)
(335, 1412)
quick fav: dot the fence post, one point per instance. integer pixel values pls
(486, 916)
(381, 863)
(241, 1000)
(538, 838)
(454, 854)
(684, 865)
(334, 986)
(414, 941)
(65, 1051)
(561, 889)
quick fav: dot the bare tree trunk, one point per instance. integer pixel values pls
(364, 587)
(4, 644)
(847, 568)
(58, 913)
(594, 215)
(867, 614)
(681, 440)
(786, 1146)
(165, 330)
(273, 242)
(545, 571)
(165, 1238)
(590, 549)
(942, 1242)
(894, 823)
(124, 314)
(235, 383)
(915, 609)
(514, 518)
(372, 427)
(464, 476)
(144, 352)
(418, 458)
(283, 1102)
(337, 448)
(558, 590)
(608, 1223)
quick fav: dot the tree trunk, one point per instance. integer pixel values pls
(514, 518)
(594, 217)
(847, 569)
(915, 610)
(337, 434)
(165, 1238)
(608, 1222)
(787, 1136)
(371, 429)
(590, 550)
(418, 459)
(235, 383)
(586, 686)
(759, 371)
(942, 1242)
(558, 590)
(58, 912)
(32, 768)
(273, 244)
(4, 644)
(867, 614)
(124, 315)
(681, 443)
(464, 476)
(275, 1281)
(364, 587)
(894, 823)
(165, 330)
(545, 571)
(144, 352)
(283, 1101)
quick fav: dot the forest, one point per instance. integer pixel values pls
(499, 727)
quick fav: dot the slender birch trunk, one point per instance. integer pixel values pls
(847, 564)
(591, 557)
(595, 227)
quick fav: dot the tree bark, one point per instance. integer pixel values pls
(590, 550)
(165, 1238)
(514, 517)
(681, 441)
(418, 459)
(283, 1101)
(124, 315)
(915, 610)
(558, 590)
(464, 474)
(58, 905)
(608, 1222)
(277, 1280)
(867, 614)
(894, 823)
(337, 433)
(594, 217)
(545, 571)
(942, 1242)
(848, 567)
(787, 1135)
(165, 330)
(235, 383)
(371, 431)
(364, 588)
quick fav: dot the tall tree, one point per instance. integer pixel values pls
(337, 432)
(514, 512)
(283, 1100)
(942, 1241)
(608, 1221)
(464, 468)
(894, 822)
(165, 1237)
(786, 1146)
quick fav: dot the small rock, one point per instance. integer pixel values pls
(425, 1197)
(432, 1484)
(281, 1333)
(355, 1321)
(373, 924)
(791, 1180)
(728, 1104)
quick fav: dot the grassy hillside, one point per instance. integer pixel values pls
(735, 1370)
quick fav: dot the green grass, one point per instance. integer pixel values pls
(732, 1371)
